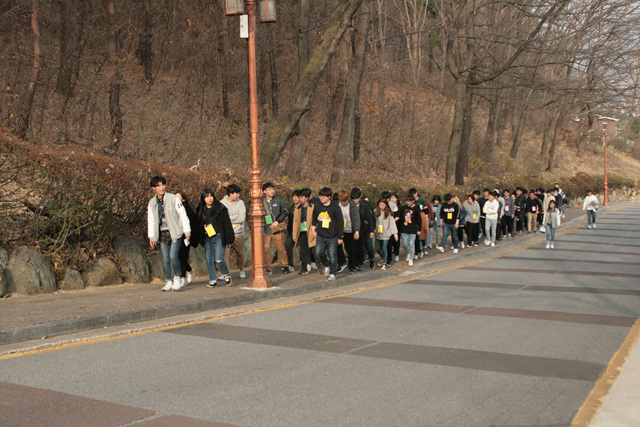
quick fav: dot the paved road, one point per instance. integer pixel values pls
(515, 341)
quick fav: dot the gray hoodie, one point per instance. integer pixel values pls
(237, 214)
(472, 209)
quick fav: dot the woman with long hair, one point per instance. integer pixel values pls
(385, 228)
(551, 221)
(218, 234)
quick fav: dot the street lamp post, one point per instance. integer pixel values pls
(259, 279)
(605, 137)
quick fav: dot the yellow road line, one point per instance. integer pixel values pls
(213, 319)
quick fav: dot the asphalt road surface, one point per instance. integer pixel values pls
(515, 341)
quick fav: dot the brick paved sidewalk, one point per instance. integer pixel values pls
(32, 317)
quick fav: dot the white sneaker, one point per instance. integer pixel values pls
(455, 251)
(242, 274)
(410, 262)
(493, 245)
(441, 249)
(176, 283)
(181, 284)
(594, 226)
(408, 257)
(291, 269)
(422, 254)
(384, 267)
(461, 245)
(326, 272)
(189, 277)
(168, 286)
(396, 258)
(314, 266)
(552, 245)
(548, 245)
(309, 267)
(486, 242)
(332, 277)
(589, 226)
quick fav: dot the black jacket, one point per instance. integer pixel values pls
(218, 216)
(196, 226)
(410, 221)
(367, 218)
(331, 216)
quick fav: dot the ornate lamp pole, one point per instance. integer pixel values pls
(259, 278)
(605, 137)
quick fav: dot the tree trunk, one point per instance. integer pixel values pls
(517, 135)
(491, 134)
(115, 111)
(24, 113)
(294, 162)
(554, 141)
(72, 15)
(277, 139)
(544, 150)
(343, 150)
(465, 139)
(456, 130)
(222, 60)
(145, 43)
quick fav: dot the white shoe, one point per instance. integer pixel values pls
(332, 277)
(181, 284)
(548, 245)
(441, 249)
(408, 257)
(309, 267)
(589, 226)
(189, 277)
(242, 274)
(552, 245)
(326, 272)
(291, 269)
(176, 282)
(314, 266)
(410, 262)
(422, 254)
(396, 258)
(493, 245)
(594, 226)
(455, 251)
(384, 267)
(168, 286)
(461, 245)
(486, 242)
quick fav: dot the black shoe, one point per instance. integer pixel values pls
(285, 270)
(352, 272)
(359, 267)
(227, 280)
(342, 268)
(303, 273)
(372, 264)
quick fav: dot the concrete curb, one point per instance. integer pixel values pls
(62, 327)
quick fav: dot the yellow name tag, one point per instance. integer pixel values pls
(449, 215)
(345, 222)
(210, 230)
(380, 229)
(474, 216)
(325, 223)
(406, 223)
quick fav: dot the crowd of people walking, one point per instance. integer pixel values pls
(343, 231)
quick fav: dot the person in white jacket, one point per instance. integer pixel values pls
(490, 209)
(591, 206)
(168, 224)
(238, 216)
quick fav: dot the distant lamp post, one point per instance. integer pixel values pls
(259, 279)
(605, 137)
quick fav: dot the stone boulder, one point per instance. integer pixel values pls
(3, 282)
(155, 266)
(72, 281)
(29, 272)
(4, 257)
(103, 272)
(135, 267)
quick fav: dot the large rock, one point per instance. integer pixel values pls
(135, 267)
(3, 282)
(29, 272)
(155, 265)
(72, 281)
(103, 272)
(4, 257)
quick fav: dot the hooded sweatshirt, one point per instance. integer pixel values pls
(237, 214)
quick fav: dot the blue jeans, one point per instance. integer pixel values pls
(446, 229)
(591, 217)
(324, 244)
(551, 233)
(214, 249)
(171, 258)
(409, 244)
(381, 248)
(434, 232)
